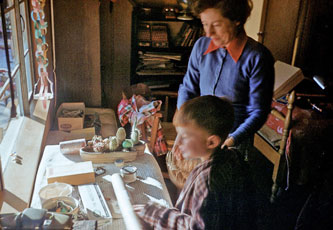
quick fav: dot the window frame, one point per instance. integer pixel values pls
(19, 72)
(20, 67)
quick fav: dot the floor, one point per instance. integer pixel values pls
(281, 215)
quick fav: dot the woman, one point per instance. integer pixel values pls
(229, 63)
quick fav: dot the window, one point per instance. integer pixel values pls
(16, 67)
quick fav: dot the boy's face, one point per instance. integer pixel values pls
(192, 141)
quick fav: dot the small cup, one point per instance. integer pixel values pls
(128, 173)
(119, 163)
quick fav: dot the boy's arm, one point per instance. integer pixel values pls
(159, 217)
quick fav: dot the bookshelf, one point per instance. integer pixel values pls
(161, 45)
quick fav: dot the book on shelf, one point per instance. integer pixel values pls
(159, 35)
(144, 35)
(287, 77)
(194, 37)
(159, 72)
(165, 55)
(179, 37)
(158, 86)
(187, 35)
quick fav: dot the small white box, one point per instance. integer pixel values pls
(70, 123)
(74, 174)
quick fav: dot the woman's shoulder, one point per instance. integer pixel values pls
(254, 48)
(202, 44)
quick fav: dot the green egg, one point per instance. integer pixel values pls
(127, 143)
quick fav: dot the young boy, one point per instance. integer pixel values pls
(213, 196)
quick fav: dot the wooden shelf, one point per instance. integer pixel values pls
(161, 66)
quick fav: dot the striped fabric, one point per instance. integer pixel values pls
(138, 109)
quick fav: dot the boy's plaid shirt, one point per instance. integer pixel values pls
(185, 215)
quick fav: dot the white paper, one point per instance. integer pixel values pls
(130, 218)
(94, 202)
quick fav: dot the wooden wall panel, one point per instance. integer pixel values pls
(280, 28)
(115, 50)
(156, 2)
(77, 45)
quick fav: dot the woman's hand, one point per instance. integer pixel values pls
(229, 142)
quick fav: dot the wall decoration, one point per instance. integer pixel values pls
(46, 85)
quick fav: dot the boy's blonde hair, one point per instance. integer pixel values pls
(214, 114)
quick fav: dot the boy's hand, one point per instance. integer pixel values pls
(139, 210)
(138, 207)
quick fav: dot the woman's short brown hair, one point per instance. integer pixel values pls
(234, 10)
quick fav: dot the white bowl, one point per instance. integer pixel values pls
(55, 190)
(51, 204)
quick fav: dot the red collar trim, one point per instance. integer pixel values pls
(235, 47)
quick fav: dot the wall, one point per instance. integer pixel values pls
(77, 45)
(156, 2)
(252, 26)
(280, 28)
(115, 50)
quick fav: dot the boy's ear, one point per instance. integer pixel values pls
(213, 141)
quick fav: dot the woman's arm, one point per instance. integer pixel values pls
(261, 82)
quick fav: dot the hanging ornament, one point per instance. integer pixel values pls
(46, 85)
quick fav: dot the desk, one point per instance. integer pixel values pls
(149, 186)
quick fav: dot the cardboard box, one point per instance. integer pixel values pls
(74, 174)
(70, 123)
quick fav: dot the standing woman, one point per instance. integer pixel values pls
(226, 62)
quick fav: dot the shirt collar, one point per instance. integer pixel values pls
(235, 47)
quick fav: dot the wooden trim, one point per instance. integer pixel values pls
(266, 149)
(153, 135)
(133, 3)
(287, 123)
(23, 78)
(6, 85)
(261, 33)
(278, 114)
(164, 93)
(299, 30)
(30, 47)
